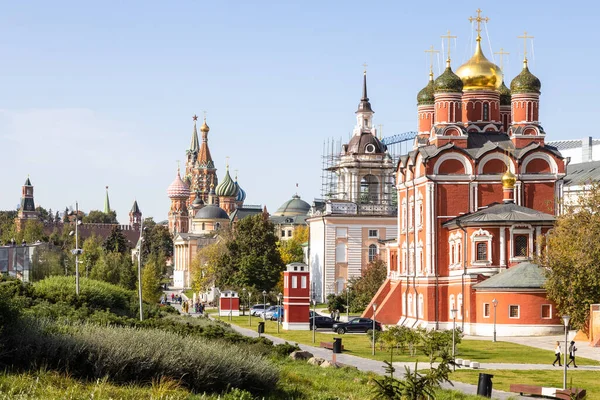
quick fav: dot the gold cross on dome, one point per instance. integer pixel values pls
(525, 37)
(449, 37)
(479, 19)
(431, 52)
(502, 53)
(365, 65)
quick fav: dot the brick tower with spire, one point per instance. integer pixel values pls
(27, 210)
(135, 216)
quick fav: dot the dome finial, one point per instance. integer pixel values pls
(364, 96)
(227, 163)
(204, 128)
(449, 37)
(431, 52)
(525, 37)
(479, 19)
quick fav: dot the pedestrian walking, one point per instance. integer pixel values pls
(332, 315)
(172, 297)
(572, 350)
(337, 315)
(557, 354)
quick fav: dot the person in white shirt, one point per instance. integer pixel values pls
(557, 354)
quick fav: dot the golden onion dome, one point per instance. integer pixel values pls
(204, 127)
(479, 73)
(508, 180)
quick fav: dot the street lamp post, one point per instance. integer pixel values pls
(314, 319)
(264, 305)
(242, 302)
(566, 319)
(249, 309)
(77, 250)
(278, 310)
(374, 309)
(453, 315)
(495, 303)
(230, 305)
(140, 268)
(347, 304)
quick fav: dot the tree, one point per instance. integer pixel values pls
(157, 240)
(252, 259)
(291, 250)
(92, 252)
(151, 276)
(43, 214)
(571, 256)
(363, 289)
(107, 268)
(205, 265)
(32, 232)
(66, 215)
(56, 218)
(116, 241)
(99, 217)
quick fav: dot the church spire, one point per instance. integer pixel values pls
(106, 203)
(364, 106)
(195, 146)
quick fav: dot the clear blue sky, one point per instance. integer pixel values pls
(96, 94)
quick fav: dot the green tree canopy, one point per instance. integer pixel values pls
(363, 289)
(291, 250)
(157, 240)
(116, 241)
(571, 256)
(99, 217)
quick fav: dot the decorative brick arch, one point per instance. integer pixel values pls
(451, 161)
(481, 168)
(525, 169)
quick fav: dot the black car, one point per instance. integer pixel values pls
(321, 322)
(355, 325)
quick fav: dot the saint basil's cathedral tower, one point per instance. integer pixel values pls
(475, 196)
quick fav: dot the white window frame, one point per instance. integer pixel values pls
(421, 305)
(459, 306)
(339, 253)
(303, 282)
(373, 246)
(376, 235)
(521, 230)
(488, 310)
(452, 305)
(478, 237)
(404, 220)
(410, 305)
(294, 282)
(518, 311)
(542, 311)
(454, 248)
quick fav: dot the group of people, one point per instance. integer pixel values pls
(335, 315)
(558, 352)
(186, 305)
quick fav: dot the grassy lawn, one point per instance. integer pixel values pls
(359, 344)
(502, 379)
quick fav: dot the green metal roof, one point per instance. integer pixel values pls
(525, 275)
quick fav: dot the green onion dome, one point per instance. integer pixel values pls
(525, 82)
(227, 187)
(448, 81)
(426, 96)
(504, 94)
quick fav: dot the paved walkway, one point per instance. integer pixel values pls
(362, 364)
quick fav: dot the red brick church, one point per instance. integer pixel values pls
(475, 195)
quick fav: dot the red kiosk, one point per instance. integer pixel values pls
(296, 297)
(229, 304)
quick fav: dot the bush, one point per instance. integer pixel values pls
(285, 349)
(128, 355)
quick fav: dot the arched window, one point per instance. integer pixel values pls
(203, 226)
(372, 252)
(217, 225)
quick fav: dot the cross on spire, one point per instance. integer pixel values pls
(479, 19)
(525, 37)
(502, 53)
(204, 112)
(227, 162)
(365, 65)
(448, 37)
(177, 168)
(432, 52)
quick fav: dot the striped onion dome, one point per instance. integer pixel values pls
(178, 189)
(227, 187)
(241, 196)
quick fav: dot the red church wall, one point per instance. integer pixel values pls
(539, 196)
(494, 166)
(538, 166)
(488, 193)
(451, 167)
(530, 308)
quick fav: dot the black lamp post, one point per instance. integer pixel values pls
(249, 309)
(242, 302)
(278, 310)
(495, 303)
(453, 315)
(264, 304)
(374, 309)
(566, 319)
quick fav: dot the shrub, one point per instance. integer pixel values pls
(128, 355)
(285, 349)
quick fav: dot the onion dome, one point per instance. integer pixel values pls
(365, 143)
(295, 206)
(479, 73)
(426, 96)
(525, 82)
(204, 127)
(508, 180)
(504, 95)
(178, 189)
(448, 81)
(227, 187)
(241, 194)
(198, 200)
(211, 212)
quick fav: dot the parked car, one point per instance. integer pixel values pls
(258, 309)
(268, 313)
(321, 321)
(355, 325)
(276, 315)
